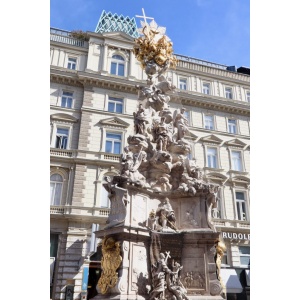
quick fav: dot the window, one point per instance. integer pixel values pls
(228, 93)
(212, 157)
(67, 100)
(187, 115)
(62, 135)
(72, 63)
(209, 122)
(115, 105)
(216, 209)
(236, 160)
(113, 143)
(104, 201)
(206, 88)
(182, 84)
(117, 65)
(248, 96)
(244, 255)
(240, 205)
(231, 126)
(56, 182)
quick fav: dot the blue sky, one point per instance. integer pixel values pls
(212, 30)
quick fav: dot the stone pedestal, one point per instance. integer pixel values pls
(191, 245)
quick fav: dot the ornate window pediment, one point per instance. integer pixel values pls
(211, 139)
(114, 122)
(216, 176)
(121, 36)
(191, 136)
(235, 143)
(64, 118)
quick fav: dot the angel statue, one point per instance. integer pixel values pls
(181, 123)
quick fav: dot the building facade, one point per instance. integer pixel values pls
(92, 100)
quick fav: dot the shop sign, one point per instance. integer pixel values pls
(236, 236)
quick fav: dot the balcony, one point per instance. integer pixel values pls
(231, 223)
(63, 36)
(61, 152)
(66, 210)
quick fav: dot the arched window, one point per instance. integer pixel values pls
(56, 184)
(117, 65)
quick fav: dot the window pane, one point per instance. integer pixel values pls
(56, 177)
(240, 195)
(108, 146)
(244, 250)
(111, 106)
(114, 136)
(121, 70)
(119, 108)
(62, 131)
(119, 57)
(245, 260)
(113, 68)
(57, 195)
(104, 202)
(117, 148)
(52, 186)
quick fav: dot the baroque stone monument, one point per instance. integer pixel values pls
(159, 242)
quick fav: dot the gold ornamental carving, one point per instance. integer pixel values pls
(110, 262)
(220, 249)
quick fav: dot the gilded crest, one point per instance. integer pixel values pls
(110, 262)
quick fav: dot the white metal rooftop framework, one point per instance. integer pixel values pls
(109, 22)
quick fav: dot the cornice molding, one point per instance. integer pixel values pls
(81, 78)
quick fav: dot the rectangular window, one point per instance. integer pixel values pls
(62, 135)
(72, 63)
(182, 84)
(67, 100)
(244, 255)
(115, 105)
(228, 93)
(206, 88)
(209, 122)
(236, 160)
(212, 160)
(248, 96)
(232, 126)
(187, 115)
(113, 143)
(240, 205)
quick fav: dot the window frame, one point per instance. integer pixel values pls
(230, 125)
(64, 191)
(213, 121)
(68, 137)
(107, 139)
(238, 207)
(67, 97)
(232, 165)
(216, 157)
(209, 88)
(114, 100)
(231, 92)
(236, 148)
(248, 97)
(53, 194)
(244, 255)
(72, 62)
(116, 61)
(185, 83)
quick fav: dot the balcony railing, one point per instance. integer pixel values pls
(61, 210)
(231, 223)
(200, 62)
(61, 152)
(63, 36)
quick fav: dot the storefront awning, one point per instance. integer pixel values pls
(247, 272)
(231, 281)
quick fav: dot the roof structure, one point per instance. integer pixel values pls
(109, 22)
